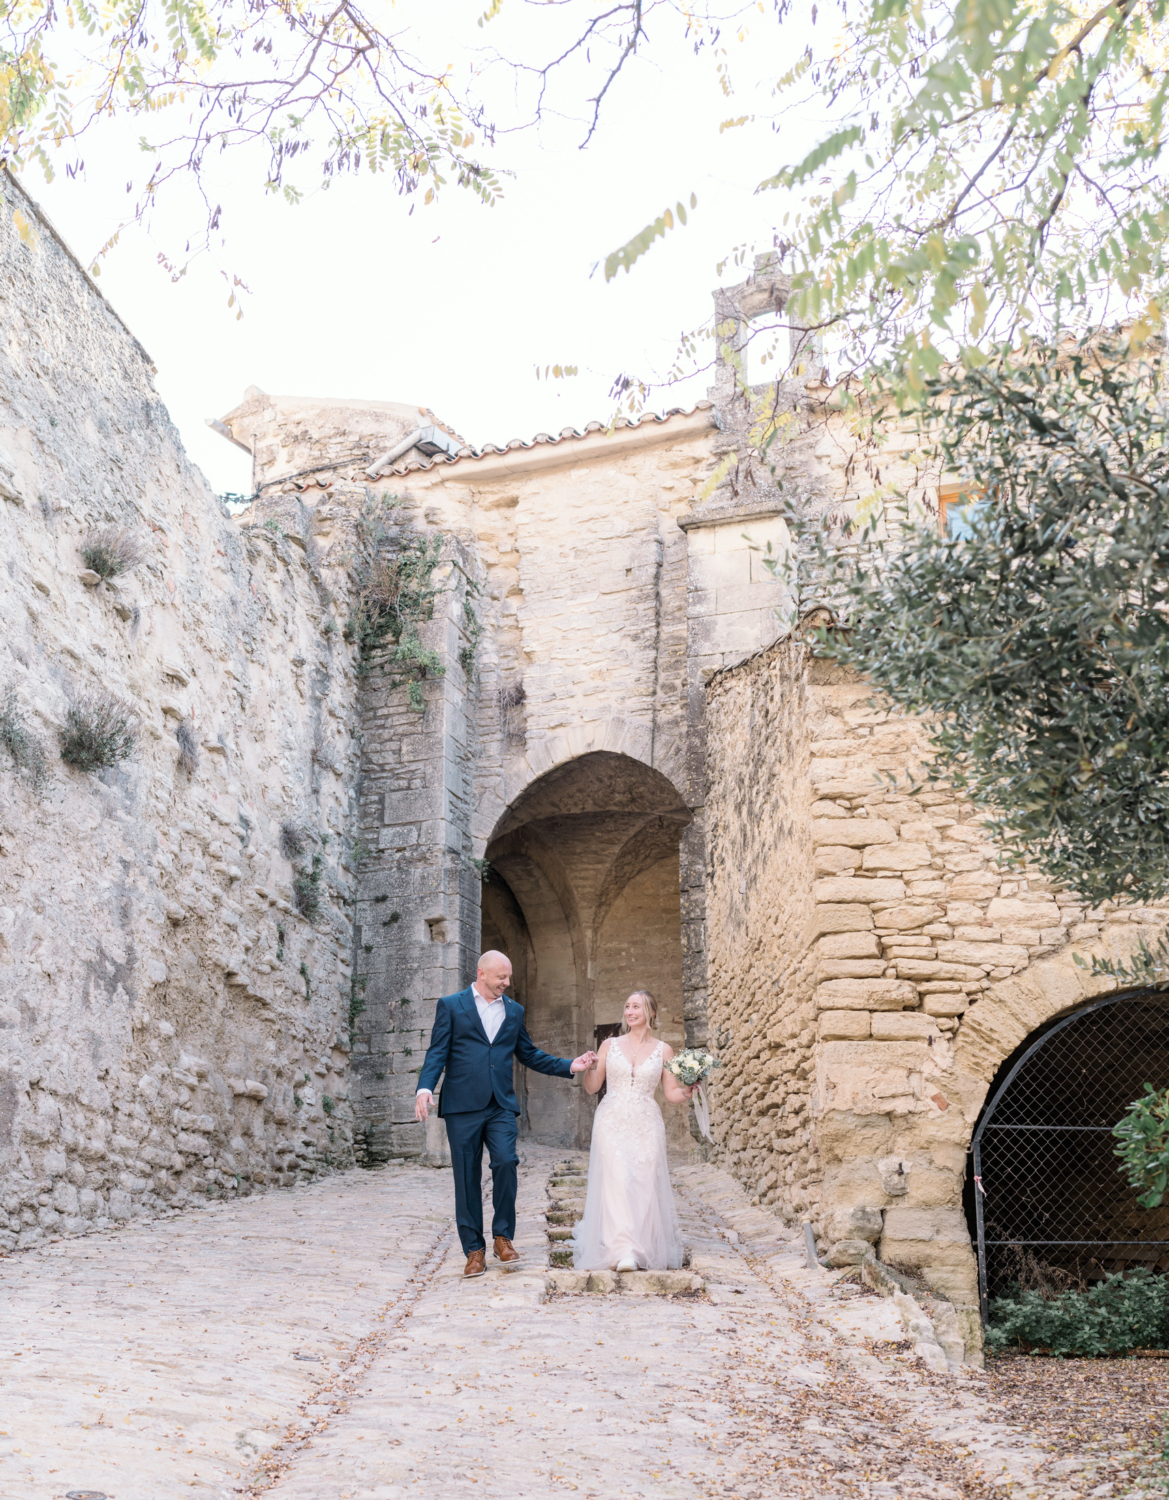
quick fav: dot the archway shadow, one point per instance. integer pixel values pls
(583, 894)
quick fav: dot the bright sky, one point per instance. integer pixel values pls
(455, 307)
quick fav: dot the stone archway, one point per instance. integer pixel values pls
(583, 895)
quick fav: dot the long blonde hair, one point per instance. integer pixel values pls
(649, 1005)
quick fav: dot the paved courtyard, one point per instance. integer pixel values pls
(317, 1343)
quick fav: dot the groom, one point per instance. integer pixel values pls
(476, 1034)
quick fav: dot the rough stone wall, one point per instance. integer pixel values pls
(922, 962)
(759, 905)
(572, 564)
(171, 1026)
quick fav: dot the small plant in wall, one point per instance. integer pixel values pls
(100, 731)
(294, 839)
(27, 753)
(393, 595)
(188, 747)
(111, 551)
(306, 889)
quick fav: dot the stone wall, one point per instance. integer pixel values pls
(171, 1026)
(759, 905)
(900, 947)
(556, 744)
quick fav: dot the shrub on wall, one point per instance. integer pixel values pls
(111, 551)
(27, 752)
(294, 838)
(306, 890)
(1117, 1314)
(100, 730)
(188, 747)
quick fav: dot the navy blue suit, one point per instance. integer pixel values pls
(479, 1105)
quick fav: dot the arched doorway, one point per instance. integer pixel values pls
(583, 895)
(1049, 1203)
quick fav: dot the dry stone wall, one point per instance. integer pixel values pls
(921, 966)
(170, 1025)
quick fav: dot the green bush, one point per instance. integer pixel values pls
(306, 890)
(1143, 1134)
(1113, 1316)
(99, 731)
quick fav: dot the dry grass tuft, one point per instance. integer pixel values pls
(188, 747)
(112, 550)
(100, 730)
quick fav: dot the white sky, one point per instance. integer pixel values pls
(454, 307)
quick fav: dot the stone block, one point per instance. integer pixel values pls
(976, 885)
(1023, 913)
(848, 945)
(898, 856)
(847, 1253)
(982, 953)
(909, 918)
(945, 1003)
(864, 994)
(838, 918)
(926, 968)
(854, 832)
(835, 859)
(858, 1223)
(843, 1025)
(855, 888)
(855, 1140)
(850, 968)
(902, 1026)
(864, 1077)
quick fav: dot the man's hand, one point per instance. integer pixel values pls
(423, 1104)
(584, 1062)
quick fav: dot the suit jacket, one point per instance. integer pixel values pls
(477, 1070)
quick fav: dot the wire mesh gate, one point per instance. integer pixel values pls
(1051, 1205)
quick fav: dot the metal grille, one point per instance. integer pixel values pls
(1052, 1207)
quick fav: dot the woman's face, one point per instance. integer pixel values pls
(635, 1012)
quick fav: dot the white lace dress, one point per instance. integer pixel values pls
(630, 1208)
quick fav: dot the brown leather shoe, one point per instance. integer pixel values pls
(476, 1263)
(505, 1250)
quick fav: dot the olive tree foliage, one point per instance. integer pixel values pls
(1037, 646)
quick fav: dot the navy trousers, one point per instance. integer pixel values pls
(468, 1133)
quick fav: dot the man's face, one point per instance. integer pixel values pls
(493, 979)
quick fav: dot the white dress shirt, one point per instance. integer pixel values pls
(491, 1013)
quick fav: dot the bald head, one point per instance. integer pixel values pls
(492, 974)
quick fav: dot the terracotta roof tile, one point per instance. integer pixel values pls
(567, 434)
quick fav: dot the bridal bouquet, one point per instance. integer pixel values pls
(693, 1065)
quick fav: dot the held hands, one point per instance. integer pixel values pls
(423, 1104)
(584, 1063)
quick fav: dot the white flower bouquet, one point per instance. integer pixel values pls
(694, 1065)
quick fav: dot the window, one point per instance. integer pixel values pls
(956, 510)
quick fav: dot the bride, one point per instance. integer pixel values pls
(630, 1222)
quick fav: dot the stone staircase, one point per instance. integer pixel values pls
(567, 1186)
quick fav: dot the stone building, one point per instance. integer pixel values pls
(615, 761)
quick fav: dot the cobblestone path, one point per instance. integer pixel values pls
(318, 1344)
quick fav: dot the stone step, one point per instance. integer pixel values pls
(562, 1216)
(559, 1234)
(555, 1184)
(626, 1283)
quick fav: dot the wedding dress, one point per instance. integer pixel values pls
(629, 1208)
